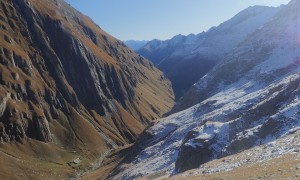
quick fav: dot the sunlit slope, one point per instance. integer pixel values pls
(68, 89)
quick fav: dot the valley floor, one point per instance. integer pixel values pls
(107, 165)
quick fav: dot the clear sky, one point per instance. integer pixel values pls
(162, 19)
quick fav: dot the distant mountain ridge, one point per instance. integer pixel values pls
(134, 44)
(185, 59)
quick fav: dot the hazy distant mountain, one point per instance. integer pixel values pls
(185, 59)
(135, 45)
(247, 110)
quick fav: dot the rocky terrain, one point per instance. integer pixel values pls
(276, 160)
(69, 92)
(186, 59)
(249, 103)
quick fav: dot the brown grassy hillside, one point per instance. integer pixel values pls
(68, 90)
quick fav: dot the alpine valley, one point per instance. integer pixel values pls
(76, 103)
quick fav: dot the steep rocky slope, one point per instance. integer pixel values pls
(185, 59)
(250, 100)
(266, 54)
(68, 90)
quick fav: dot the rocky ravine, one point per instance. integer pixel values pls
(250, 99)
(68, 90)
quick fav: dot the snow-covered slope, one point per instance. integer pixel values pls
(261, 56)
(185, 59)
(239, 118)
(251, 98)
(134, 44)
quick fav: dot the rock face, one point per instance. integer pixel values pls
(185, 59)
(250, 99)
(64, 81)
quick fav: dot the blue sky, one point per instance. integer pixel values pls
(162, 19)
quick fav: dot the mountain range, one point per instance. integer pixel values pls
(185, 59)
